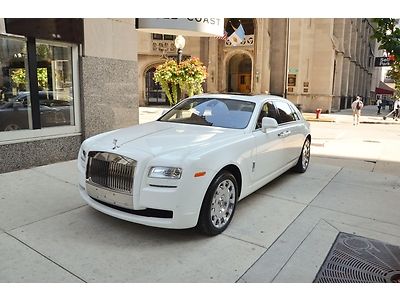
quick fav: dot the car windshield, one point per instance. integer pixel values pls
(226, 113)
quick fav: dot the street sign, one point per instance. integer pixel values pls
(383, 61)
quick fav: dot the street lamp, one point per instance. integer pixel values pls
(179, 44)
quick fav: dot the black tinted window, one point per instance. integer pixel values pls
(285, 113)
(268, 110)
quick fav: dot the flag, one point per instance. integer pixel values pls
(237, 36)
(224, 37)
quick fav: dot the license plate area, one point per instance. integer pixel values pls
(109, 196)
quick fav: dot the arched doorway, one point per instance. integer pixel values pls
(239, 73)
(154, 95)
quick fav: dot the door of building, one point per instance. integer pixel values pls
(154, 93)
(244, 83)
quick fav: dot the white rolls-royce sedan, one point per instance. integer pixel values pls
(191, 166)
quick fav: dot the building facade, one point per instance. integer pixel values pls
(61, 81)
(315, 63)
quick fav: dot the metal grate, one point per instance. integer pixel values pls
(111, 171)
(354, 258)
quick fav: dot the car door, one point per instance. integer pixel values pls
(268, 156)
(289, 131)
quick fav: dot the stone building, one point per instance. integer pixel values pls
(316, 63)
(63, 80)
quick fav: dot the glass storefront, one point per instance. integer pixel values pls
(55, 84)
(15, 107)
(54, 95)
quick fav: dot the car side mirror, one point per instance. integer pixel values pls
(268, 123)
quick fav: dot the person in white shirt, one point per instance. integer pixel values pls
(357, 106)
(379, 105)
(396, 107)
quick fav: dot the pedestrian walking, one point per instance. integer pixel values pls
(357, 106)
(379, 105)
(396, 107)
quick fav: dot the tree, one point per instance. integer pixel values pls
(19, 80)
(188, 76)
(387, 33)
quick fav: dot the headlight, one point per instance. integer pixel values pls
(165, 172)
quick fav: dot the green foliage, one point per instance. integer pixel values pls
(19, 80)
(387, 33)
(42, 78)
(188, 76)
(394, 73)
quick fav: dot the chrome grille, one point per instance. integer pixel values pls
(112, 171)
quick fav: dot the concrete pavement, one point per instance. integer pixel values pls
(281, 233)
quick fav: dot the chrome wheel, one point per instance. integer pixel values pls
(305, 160)
(219, 204)
(223, 203)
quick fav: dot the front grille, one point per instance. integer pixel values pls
(112, 171)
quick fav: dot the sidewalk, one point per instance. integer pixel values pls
(368, 116)
(281, 233)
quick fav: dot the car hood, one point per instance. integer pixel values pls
(157, 138)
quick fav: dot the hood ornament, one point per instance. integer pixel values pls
(115, 144)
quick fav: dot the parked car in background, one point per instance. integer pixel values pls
(191, 166)
(53, 112)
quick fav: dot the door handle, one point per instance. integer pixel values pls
(284, 133)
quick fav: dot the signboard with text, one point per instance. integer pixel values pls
(383, 61)
(182, 26)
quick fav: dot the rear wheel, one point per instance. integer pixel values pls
(218, 205)
(304, 159)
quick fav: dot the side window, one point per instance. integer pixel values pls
(285, 112)
(295, 113)
(268, 110)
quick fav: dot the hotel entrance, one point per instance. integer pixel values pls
(239, 73)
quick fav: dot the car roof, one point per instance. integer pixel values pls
(256, 98)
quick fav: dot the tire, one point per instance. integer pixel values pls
(304, 159)
(219, 204)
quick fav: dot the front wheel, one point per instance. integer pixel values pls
(304, 159)
(218, 205)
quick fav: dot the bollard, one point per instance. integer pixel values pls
(317, 113)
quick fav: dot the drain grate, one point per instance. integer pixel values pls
(354, 258)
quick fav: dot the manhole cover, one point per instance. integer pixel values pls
(354, 258)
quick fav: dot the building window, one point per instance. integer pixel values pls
(52, 105)
(165, 37)
(55, 83)
(285, 113)
(15, 106)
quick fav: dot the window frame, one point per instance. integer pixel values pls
(278, 113)
(27, 135)
(262, 107)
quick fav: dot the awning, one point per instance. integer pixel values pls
(384, 89)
